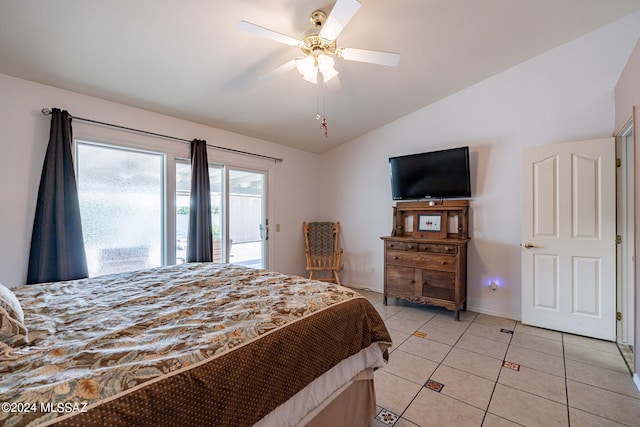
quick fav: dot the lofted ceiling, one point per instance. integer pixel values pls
(189, 60)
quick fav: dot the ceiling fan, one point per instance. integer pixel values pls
(319, 45)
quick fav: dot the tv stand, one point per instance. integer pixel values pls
(426, 254)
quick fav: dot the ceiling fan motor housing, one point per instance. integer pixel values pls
(317, 18)
(312, 43)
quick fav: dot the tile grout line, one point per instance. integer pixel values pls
(495, 384)
(486, 411)
(566, 383)
(410, 335)
(439, 364)
(510, 344)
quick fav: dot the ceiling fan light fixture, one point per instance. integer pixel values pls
(329, 74)
(311, 78)
(326, 67)
(325, 62)
(307, 67)
(310, 65)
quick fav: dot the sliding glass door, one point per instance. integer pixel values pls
(183, 196)
(248, 227)
(238, 207)
(123, 204)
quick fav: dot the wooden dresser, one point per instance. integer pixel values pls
(425, 258)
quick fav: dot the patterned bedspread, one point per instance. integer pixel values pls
(178, 344)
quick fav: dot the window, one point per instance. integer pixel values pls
(121, 194)
(128, 222)
(183, 193)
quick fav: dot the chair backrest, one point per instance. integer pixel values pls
(321, 238)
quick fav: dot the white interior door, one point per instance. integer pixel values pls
(568, 237)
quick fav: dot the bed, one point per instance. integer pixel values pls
(193, 344)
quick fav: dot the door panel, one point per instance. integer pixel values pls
(545, 215)
(586, 286)
(546, 281)
(247, 221)
(586, 193)
(568, 237)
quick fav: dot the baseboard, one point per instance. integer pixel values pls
(493, 313)
(469, 308)
(364, 288)
(636, 380)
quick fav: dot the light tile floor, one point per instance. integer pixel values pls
(491, 371)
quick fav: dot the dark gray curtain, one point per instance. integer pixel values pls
(199, 239)
(57, 246)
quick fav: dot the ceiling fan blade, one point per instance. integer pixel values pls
(389, 59)
(339, 17)
(267, 33)
(280, 70)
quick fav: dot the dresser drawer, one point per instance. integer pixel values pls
(401, 246)
(437, 248)
(423, 260)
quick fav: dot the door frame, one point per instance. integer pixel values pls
(625, 329)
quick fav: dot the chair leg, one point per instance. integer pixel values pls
(311, 275)
(335, 274)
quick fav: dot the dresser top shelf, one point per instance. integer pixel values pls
(431, 220)
(444, 241)
(441, 205)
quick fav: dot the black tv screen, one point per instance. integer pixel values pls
(440, 174)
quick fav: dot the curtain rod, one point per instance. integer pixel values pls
(47, 112)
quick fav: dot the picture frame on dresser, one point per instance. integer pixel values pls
(430, 222)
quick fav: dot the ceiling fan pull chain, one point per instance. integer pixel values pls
(323, 125)
(319, 80)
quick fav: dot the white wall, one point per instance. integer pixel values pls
(627, 90)
(24, 133)
(628, 97)
(566, 94)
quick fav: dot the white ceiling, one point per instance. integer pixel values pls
(187, 58)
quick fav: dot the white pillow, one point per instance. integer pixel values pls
(12, 329)
(10, 303)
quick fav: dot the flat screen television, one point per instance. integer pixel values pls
(442, 174)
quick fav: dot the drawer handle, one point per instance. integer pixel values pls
(394, 257)
(410, 247)
(391, 245)
(443, 262)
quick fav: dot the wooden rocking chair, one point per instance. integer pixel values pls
(323, 250)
